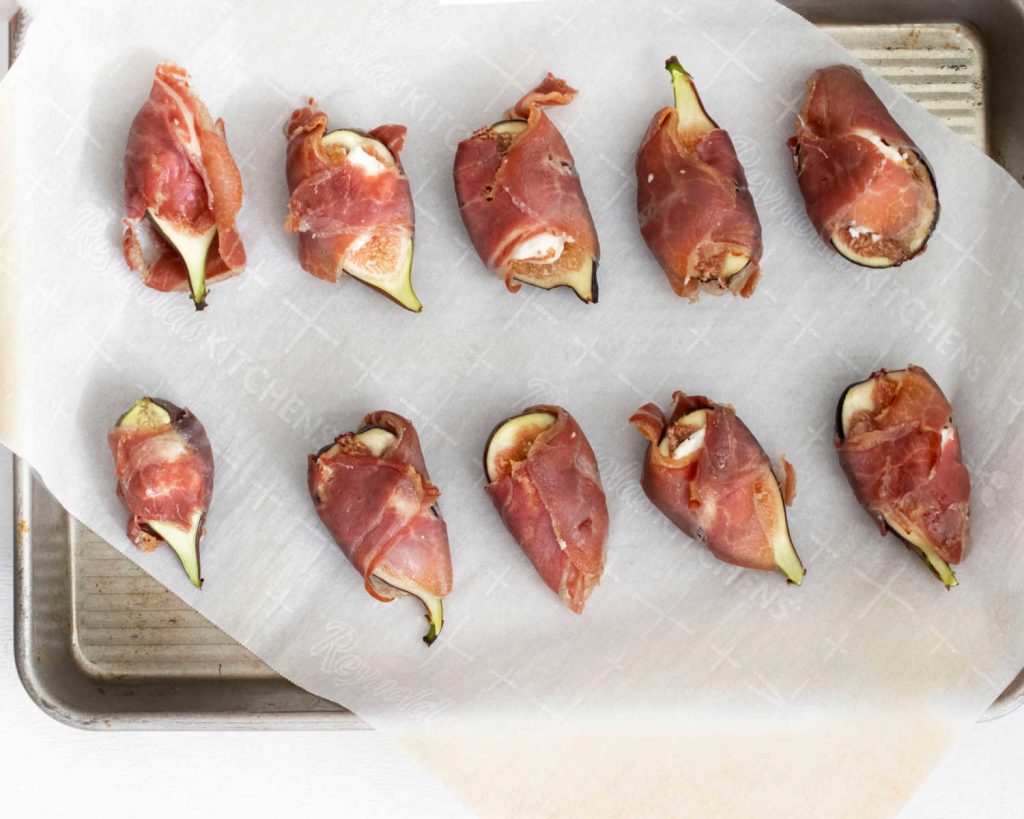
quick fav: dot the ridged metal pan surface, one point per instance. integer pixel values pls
(101, 644)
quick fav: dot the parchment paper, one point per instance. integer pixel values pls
(280, 362)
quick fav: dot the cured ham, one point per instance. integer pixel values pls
(180, 177)
(900, 450)
(164, 468)
(521, 199)
(695, 209)
(868, 189)
(351, 204)
(372, 492)
(707, 474)
(543, 480)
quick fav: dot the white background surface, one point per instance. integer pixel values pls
(51, 770)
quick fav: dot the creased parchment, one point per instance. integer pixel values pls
(673, 643)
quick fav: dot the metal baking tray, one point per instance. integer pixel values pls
(100, 644)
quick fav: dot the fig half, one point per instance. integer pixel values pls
(371, 491)
(900, 450)
(707, 473)
(548, 260)
(378, 440)
(543, 480)
(867, 186)
(384, 262)
(164, 461)
(685, 440)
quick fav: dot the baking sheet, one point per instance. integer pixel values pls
(287, 362)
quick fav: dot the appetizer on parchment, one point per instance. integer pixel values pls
(695, 209)
(900, 450)
(707, 474)
(164, 468)
(521, 200)
(868, 188)
(372, 492)
(180, 178)
(351, 204)
(543, 480)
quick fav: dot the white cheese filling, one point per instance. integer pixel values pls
(370, 165)
(361, 241)
(887, 150)
(856, 231)
(544, 248)
(689, 445)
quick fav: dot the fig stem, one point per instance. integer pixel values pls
(435, 615)
(692, 116)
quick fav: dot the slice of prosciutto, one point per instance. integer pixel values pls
(695, 209)
(181, 178)
(351, 204)
(868, 189)
(164, 468)
(372, 492)
(900, 451)
(543, 480)
(521, 199)
(707, 474)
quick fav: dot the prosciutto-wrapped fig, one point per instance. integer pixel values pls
(695, 209)
(868, 189)
(543, 480)
(180, 177)
(351, 204)
(372, 492)
(521, 199)
(164, 468)
(707, 474)
(901, 453)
